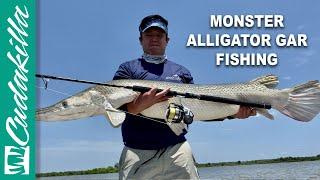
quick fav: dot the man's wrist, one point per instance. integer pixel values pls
(131, 108)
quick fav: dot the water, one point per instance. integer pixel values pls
(295, 170)
(309, 170)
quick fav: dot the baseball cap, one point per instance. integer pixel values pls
(153, 21)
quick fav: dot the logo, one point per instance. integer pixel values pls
(175, 77)
(16, 160)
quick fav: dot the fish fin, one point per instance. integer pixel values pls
(303, 103)
(265, 113)
(114, 116)
(270, 81)
(178, 128)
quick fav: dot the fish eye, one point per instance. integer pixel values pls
(64, 104)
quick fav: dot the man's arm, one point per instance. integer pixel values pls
(144, 100)
(147, 99)
(123, 72)
(243, 113)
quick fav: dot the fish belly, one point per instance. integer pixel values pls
(202, 110)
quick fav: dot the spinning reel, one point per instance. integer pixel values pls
(177, 113)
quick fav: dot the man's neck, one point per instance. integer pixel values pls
(155, 59)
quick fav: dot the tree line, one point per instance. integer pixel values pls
(115, 168)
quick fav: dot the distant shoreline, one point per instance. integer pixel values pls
(262, 161)
(114, 169)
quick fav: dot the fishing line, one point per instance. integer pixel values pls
(56, 91)
(45, 82)
(68, 95)
(143, 89)
(170, 93)
(143, 117)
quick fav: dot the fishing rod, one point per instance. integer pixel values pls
(143, 89)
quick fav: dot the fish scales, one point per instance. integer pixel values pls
(205, 110)
(301, 102)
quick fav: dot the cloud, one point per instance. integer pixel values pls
(262, 154)
(301, 27)
(308, 53)
(287, 78)
(304, 57)
(227, 129)
(301, 61)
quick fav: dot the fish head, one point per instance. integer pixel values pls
(82, 105)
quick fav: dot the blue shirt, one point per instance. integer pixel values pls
(142, 133)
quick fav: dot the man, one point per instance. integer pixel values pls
(152, 150)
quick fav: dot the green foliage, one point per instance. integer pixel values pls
(262, 161)
(106, 170)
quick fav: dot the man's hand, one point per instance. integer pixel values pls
(245, 112)
(147, 99)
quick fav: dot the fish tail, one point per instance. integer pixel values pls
(303, 103)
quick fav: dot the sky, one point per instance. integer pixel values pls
(88, 40)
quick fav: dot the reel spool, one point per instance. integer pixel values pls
(177, 113)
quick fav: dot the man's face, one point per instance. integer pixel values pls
(154, 41)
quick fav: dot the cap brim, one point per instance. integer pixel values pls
(156, 24)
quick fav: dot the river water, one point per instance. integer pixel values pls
(309, 170)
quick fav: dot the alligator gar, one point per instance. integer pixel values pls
(301, 102)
